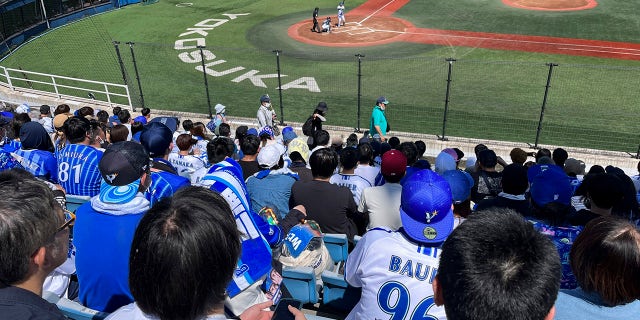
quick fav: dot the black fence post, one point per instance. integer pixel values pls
(206, 82)
(638, 152)
(277, 52)
(135, 67)
(446, 99)
(544, 103)
(359, 56)
(116, 45)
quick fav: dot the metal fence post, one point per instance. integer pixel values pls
(116, 45)
(206, 82)
(446, 99)
(544, 103)
(135, 67)
(359, 56)
(638, 152)
(277, 52)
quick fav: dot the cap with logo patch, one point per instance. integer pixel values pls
(122, 165)
(426, 207)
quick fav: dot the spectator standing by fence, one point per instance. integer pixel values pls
(379, 126)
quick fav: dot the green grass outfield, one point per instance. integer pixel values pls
(494, 94)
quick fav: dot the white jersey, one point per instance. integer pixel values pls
(395, 274)
(368, 172)
(133, 312)
(383, 206)
(354, 182)
(186, 165)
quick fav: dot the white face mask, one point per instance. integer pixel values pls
(268, 105)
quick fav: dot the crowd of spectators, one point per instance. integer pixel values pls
(183, 220)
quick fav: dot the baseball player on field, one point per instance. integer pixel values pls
(341, 21)
(395, 268)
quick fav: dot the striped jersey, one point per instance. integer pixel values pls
(40, 163)
(78, 171)
(164, 183)
(255, 261)
(354, 182)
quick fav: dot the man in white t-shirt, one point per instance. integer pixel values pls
(396, 268)
(382, 204)
(365, 167)
(347, 177)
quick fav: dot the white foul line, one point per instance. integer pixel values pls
(374, 13)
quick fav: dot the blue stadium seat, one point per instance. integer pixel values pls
(72, 309)
(337, 293)
(338, 246)
(301, 283)
(73, 202)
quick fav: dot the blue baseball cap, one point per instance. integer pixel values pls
(382, 100)
(298, 239)
(252, 132)
(551, 185)
(460, 183)
(426, 207)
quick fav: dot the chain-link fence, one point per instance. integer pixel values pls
(535, 103)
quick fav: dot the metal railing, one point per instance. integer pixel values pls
(61, 86)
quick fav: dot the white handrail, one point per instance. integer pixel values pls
(109, 87)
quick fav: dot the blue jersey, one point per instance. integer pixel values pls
(12, 145)
(164, 184)
(40, 163)
(226, 178)
(78, 171)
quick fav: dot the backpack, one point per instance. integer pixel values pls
(307, 127)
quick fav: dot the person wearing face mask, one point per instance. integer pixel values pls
(266, 115)
(378, 123)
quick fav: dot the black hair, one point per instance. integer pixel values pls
(124, 116)
(603, 189)
(323, 163)
(250, 145)
(394, 142)
(321, 138)
(352, 140)
(543, 153)
(18, 120)
(103, 116)
(478, 148)
(349, 158)
(187, 125)
(366, 153)
(76, 129)
(116, 110)
(145, 111)
(27, 222)
(183, 255)
(422, 147)
(85, 111)
(118, 133)
(559, 156)
(219, 149)
(136, 127)
(410, 151)
(224, 129)
(495, 265)
(241, 132)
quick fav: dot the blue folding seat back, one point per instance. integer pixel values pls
(337, 293)
(338, 245)
(301, 283)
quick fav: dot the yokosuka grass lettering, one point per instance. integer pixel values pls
(196, 36)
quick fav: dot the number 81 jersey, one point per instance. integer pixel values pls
(395, 274)
(78, 171)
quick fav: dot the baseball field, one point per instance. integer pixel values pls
(506, 59)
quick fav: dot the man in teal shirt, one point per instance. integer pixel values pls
(378, 123)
